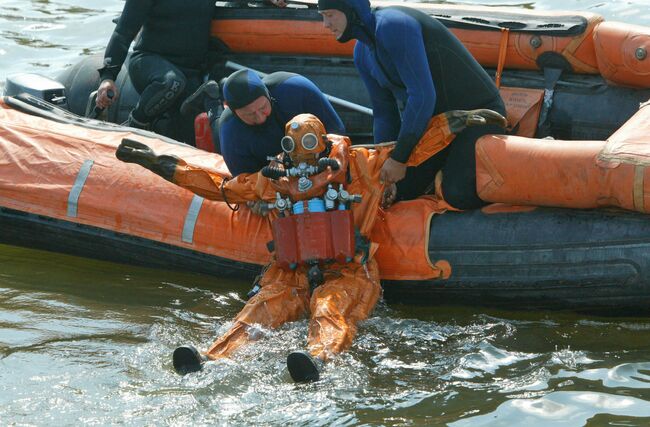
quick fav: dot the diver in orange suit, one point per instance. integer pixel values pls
(325, 195)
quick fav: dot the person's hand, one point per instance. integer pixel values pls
(392, 171)
(258, 207)
(103, 100)
(278, 3)
(390, 193)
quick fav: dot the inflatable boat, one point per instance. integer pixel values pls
(569, 80)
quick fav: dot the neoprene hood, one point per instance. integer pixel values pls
(349, 12)
(243, 87)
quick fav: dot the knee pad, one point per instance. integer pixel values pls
(160, 95)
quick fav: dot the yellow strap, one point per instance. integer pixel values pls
(503, 48)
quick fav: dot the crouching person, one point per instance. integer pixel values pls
(325, 195)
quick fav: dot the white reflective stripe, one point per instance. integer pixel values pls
(75, 192)
(190, 219)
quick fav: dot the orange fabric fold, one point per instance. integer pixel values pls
(402, 233)
(435, 138)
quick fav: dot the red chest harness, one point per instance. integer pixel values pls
(314, 237)
(318, 230)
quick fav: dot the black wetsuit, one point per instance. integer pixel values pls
(168, 58)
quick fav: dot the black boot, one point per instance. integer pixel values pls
(132, 151)
(187, 359)
(195, 103)
(303, 367)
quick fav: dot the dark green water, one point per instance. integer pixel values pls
(87, 342)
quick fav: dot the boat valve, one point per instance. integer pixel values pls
(535, 42)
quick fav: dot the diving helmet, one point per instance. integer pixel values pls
(305, 139)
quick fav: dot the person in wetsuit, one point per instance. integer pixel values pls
(414, 68)
(251, 128)
(168, 60)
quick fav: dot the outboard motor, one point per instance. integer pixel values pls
(39, 86)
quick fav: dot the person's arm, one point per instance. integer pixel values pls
(233, 140)
(401, 36)
(386, 117)
(133, 17)
(245, 187)
(205, 183)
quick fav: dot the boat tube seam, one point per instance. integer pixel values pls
(190, 219)
(496, 180)
(77, 187)
(639, 199)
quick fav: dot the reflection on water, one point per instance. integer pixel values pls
(561, 408)
(90, 342)
(631, 375)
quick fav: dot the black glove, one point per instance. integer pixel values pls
(131, 151)
(460, 119)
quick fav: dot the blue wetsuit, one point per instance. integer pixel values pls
(415, 68)
(245, 148)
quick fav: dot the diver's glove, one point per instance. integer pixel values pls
(131, 151)
(460, 119)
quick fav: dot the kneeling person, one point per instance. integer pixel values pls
(251, 126)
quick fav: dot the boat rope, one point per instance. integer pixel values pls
(503, 48)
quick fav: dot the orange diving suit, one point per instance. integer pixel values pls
(324, 195)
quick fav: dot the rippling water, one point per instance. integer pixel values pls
(89, 342)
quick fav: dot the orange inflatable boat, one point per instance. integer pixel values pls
(568, 229)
